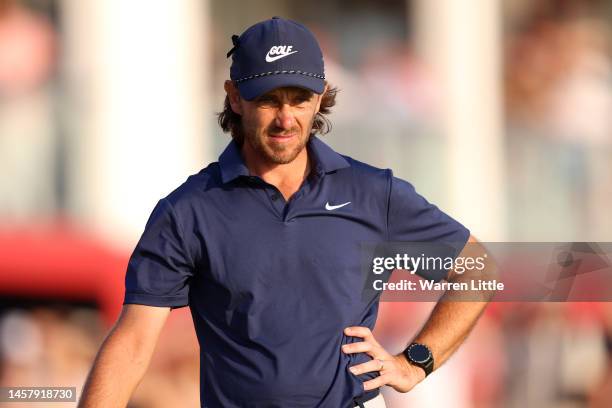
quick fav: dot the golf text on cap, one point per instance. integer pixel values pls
(278, 52)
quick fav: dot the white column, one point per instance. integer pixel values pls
(461, 40)
(138, 76)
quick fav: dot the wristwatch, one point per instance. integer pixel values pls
(420, 356)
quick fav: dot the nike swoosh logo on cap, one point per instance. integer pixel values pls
(335, 207)
(270, 59)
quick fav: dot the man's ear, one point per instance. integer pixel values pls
(233, 96)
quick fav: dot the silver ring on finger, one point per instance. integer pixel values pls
(382, 364)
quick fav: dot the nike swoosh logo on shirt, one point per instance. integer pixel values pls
(335, 207)
(270, 59)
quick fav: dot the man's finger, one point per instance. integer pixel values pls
(359, 347)
(376, 383)
(368, 367)
(359, 331)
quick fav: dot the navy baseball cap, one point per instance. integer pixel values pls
(276, 53)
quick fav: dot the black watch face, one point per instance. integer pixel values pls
(419, 353)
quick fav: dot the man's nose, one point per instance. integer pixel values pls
(285, 118)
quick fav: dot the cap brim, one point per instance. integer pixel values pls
(255, 87)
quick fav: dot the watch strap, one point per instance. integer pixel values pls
(428, 367)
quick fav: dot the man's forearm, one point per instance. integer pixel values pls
(115, 374)
(448, 326)
(457, 312)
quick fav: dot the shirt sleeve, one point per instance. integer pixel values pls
(411, 218)
(160, 268)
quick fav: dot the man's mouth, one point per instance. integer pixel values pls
(282, 137)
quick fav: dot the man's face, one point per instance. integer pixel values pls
(276, 125)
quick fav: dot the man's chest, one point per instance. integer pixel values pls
(315, 240)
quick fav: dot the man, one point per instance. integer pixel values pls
(263, 245)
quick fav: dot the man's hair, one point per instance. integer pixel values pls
(231, 121)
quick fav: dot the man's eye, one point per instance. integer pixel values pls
(265, 100)
(301, 99)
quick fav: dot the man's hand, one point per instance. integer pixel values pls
(395, 371)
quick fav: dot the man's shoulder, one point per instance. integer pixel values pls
(196, 186)
(368, 172)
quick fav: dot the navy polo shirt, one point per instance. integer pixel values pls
(272, 284)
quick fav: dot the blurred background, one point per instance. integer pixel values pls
(500, 112)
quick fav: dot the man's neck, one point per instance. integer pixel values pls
(287, 178)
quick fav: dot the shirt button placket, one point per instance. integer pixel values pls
(276, 200)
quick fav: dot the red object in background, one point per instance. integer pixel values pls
(64, 264)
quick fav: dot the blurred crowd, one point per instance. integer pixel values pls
(54, 345)
(519, 355)
(558, 83)
(28, 61)
(558, 99)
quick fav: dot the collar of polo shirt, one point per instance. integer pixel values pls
(326, 160)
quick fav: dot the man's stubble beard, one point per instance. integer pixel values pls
(276, 153)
